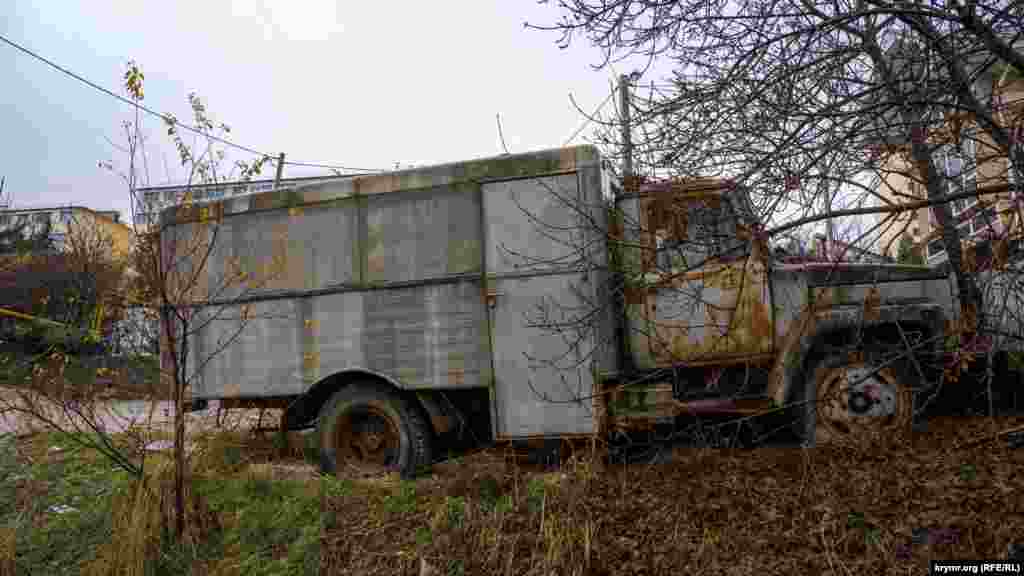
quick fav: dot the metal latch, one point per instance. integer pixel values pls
(492, 298)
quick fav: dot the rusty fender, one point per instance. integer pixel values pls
(815, 323)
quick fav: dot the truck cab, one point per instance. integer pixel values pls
(717, 325)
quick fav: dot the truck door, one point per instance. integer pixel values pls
(708, 296)
(541, 367)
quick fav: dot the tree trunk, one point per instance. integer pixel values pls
(179, 441)
(913, 116)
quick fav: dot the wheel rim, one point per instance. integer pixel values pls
(368, 439)
(859, 402)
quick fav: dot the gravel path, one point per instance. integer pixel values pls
(116, 416)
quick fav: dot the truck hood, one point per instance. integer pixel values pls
(848, 274)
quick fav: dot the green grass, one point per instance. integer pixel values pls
(274, 525)
(402, 501)
(265, 526)
(48, 542)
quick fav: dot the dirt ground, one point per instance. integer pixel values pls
(953, 492)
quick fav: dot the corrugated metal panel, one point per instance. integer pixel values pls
(424, 336)
(323, 237)
(339, 331)
(529, 227)
(425, 234)
(264, 359)
(593, 182)
(256, 239)
(541, 384)
(305, 250)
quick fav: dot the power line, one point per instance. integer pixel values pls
(165, 117)
(589, 118)
(331, 166)
(126, 100)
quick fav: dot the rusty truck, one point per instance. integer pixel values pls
(533, 296)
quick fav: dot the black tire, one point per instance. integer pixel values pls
(894, 391)
(367, 410)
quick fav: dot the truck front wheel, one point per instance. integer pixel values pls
(371, 428)
(858, 396)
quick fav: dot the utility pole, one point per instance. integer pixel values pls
(627, 128)
(829, 239)
(280, 168)
(627, 205)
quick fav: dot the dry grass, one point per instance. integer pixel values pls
(766, 511)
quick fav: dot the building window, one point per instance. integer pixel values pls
(985, 221)
(957, 163)
(1012, 180)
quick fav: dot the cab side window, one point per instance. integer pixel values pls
(696, 233)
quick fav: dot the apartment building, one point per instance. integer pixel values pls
(154, 199)
(63, 222)
(970, 162)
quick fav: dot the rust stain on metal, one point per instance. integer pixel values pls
(788, 351)
(736, 317)
(441, 423)
(873, 305)
(456, 376)
(715, 312)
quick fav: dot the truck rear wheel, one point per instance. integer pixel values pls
(853, 397)
(370, 428)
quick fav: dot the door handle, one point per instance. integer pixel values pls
(492, 298)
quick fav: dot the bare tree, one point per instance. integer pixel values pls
(818, 111)
(176, 264)
(173, 258)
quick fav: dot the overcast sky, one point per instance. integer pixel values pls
(361, 84)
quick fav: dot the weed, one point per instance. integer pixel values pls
(855, 520)
(404, 502)
(232, 455)
(424, 536)
(456, 511)
(504, 504)
(534, 494)
(311, 448)
(329, 518)
(260, 487)
(281, 441)
(968, 472)
(489, 493)
(336, 487)
(456, 568)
